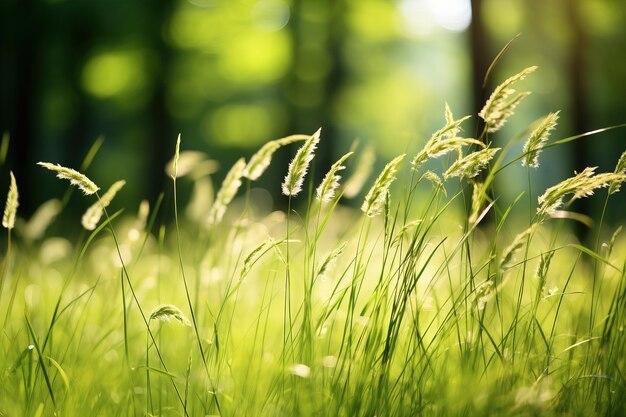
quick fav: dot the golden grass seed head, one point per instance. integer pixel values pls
(176, 158)
(503, 101)
(299, 165)
(478, 195)
(325, 192)
(10, 208)
(444, 140)
(263, 157)
(87, 186)
(375, 199)
(227, 192)
(331, 259)
(471, 165)
(94, 213)
(620, 168)
(537, 138)
(168, 312)
(518, 242)
(580, 185)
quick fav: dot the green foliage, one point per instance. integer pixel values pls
(424, 304)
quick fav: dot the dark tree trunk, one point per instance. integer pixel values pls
(161, 138)
(576, 70)
(27, 40)
(480, 61)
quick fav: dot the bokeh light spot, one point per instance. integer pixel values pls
(244, 125)
(112, 73)
(270, 15)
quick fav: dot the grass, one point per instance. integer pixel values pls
(436, 299)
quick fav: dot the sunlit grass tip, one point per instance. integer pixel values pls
(299, 165)
(478, 193)
(508, 255)
(444, 140)
(375, 199)
(537, 138)
(503, 101)
(168, 312)
(227, 192)
(94, 213)
(87, 186)
(263, 157)
(330, 260)
(176, 158)
(252, 257)
(328, 187)
(620, 168)
(580, 185)
(471, 165)
(10, 209)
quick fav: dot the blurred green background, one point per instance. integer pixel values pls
(231, 74)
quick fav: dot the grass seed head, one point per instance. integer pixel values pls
(168, 312)
(518, 242)
(580, 185)
(252, 258)
(227, 192)
(10, 209)
(478, 193)
(299, 165)
(620, 168)
(75, 178)
(326, 190)
(471, 165)
(444, 140)
(503, 101)
(176, 158)
(375, 199)
(435, 180)
(94, 213)
(537, 138)
(330, 260)
(262, 159)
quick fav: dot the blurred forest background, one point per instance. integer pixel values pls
(231, 74)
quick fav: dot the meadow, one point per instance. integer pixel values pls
(429, 296)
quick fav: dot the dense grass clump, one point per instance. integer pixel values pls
(438, 298)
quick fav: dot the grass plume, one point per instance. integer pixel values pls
(87, 186)
(503, 101)
(375, 199)
(168, 312)
(263, 157)
(471, 165)
(299, 165)
(10, 208)
(94, 213)
(580, 185)
(537, 138)
(325, 192)
(227, 192)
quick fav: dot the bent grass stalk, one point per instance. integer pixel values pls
(184, 277)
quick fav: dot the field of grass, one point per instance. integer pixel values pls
(434, 299)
